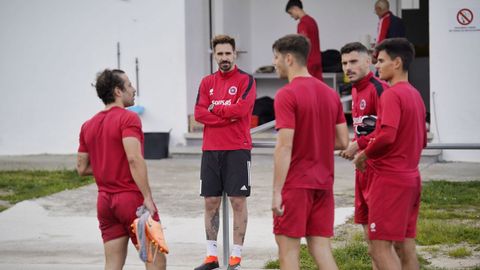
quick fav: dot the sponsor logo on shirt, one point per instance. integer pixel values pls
(232, 90)
(363, 104)
(227, 102)
(211, 91)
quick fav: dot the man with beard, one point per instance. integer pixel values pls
(224, 105)
(394, 192)
(111, 146)
(366, 91)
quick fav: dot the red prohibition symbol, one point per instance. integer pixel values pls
(464, 16)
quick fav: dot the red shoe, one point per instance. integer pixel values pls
(234, 263)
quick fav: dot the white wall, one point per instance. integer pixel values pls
(197, 46)
(51, 51)
(454, 95)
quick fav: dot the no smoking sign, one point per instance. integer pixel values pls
(464, 16)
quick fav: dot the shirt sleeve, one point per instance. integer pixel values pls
(390, 116)
(340, 115)
(284, 105)
(132, 126)
(383, 26)
(244, 104)
(82, 148)
(302, 28)
(202, 114)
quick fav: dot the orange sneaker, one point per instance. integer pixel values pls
(210, 263)
(155, 240)
(154, 232)
(234, 263)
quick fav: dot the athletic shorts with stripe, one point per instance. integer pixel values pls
(227, 171)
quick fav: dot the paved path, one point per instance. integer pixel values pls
(60, 231)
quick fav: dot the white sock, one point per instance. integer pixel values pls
(212, 248)
(237, 251)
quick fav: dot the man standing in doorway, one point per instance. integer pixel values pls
(389, 25)
(111, 148)
(394, 194)
(307, 27)
(224, 105)
(310, 124)
(366, 91)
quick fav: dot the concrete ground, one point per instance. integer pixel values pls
(61, 231)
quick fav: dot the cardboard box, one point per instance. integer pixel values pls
(194, 126)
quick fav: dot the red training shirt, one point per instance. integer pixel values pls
(101, 137)
(404, 111)
(308, 27)
(366, 101)
(313, 110)
(227, 127)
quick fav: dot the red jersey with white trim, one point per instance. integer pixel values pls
(313, 110)
(402, 109)
(101, 137)
(308, 27)
(383, 25)
(366, 101)
(227, 126)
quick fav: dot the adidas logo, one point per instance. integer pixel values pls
(243, 187)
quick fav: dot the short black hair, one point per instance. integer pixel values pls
(297, 45)
(398, 47)
(293, 3)
(353, 47)
(106, 82)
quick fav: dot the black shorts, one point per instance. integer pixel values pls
(227, 171)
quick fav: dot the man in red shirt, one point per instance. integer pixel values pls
(111, 148)
(308, 27)
(366, 91)
(394, 198)
(224, 105)
(389, 25)
(310, 124)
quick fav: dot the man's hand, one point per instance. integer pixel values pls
(210, 108)
(350, 152)
(150, 205)
(360, 160)
(277, 206)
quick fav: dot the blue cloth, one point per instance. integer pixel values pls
(142, 214)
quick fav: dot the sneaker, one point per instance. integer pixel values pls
(234, 263)
(210, 263)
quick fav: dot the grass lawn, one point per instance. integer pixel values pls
(448, 227)
(16, 186)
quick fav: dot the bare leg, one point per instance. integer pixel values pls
(160, 263)
(384, 255)
(321, 251)
(365, 231)
(240, 219)
(115, 253)
(212, 217)
(288, 252)
(406, 250)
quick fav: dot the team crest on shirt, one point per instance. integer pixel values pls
(363, 104)
(373, 227)
(232, 90)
